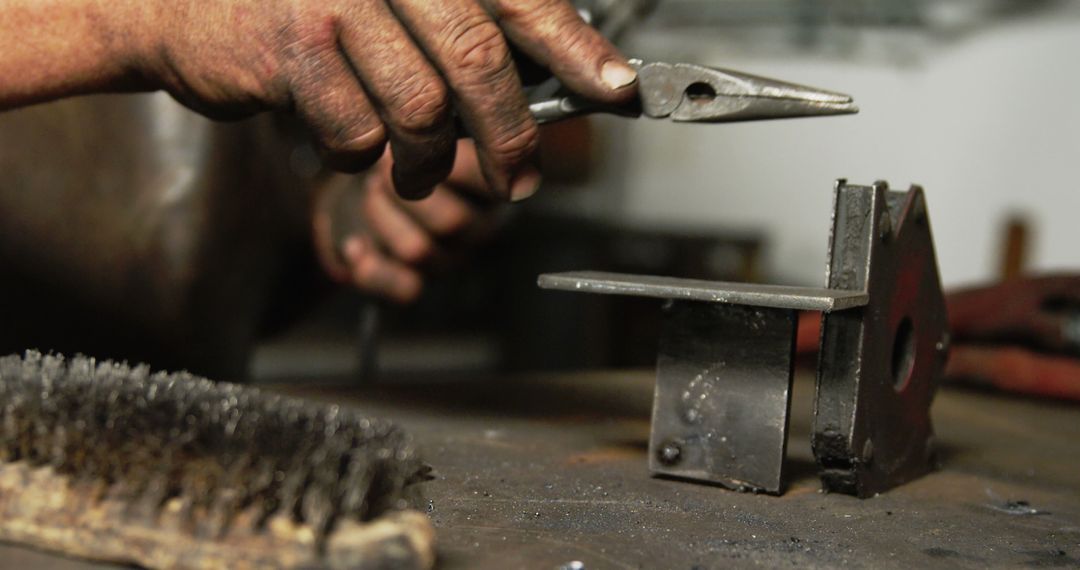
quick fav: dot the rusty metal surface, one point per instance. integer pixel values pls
(723, 388)
(883, 351)
(538, 472)
(880, 364)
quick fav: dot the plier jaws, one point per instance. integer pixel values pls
(684, 92)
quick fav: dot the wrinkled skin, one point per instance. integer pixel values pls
(360, 73)
(1013, 336)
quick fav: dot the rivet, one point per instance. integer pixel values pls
(669, 453)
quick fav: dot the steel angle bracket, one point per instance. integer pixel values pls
(724, 370)
(879, 366)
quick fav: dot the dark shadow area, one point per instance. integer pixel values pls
(611, 398)
(799, 469)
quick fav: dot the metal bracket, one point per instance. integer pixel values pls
(879, 367)
(723, 382)
(724, 370)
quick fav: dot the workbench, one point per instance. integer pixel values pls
(548, 471)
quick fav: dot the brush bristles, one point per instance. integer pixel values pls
(220, 448)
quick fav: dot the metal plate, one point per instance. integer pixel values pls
(775, 296)
(720, 412)
(880, 365)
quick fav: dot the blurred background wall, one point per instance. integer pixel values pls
(975, 100)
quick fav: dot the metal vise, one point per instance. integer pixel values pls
(725, 364)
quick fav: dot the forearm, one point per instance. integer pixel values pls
(55, 48)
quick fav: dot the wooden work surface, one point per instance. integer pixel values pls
(538, 472)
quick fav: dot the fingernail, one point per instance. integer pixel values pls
(525, 185)
(617, 74)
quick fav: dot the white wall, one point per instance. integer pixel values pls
(988, 124)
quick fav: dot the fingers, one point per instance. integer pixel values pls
(467, 175)
(375, 273)
(469, 49)
(552, 33)
(397, 239)
(415, 231)
(409, 57)
(409, 94)
(447, 212)
(442, 214)
(394, 229)
(330, 257)
(329, 99)
(357, 257)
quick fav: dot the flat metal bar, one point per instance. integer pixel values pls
(723, 392)
(748, 294)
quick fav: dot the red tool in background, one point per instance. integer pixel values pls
(1022, 336)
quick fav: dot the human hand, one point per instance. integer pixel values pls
(361, 72)
(369, 237)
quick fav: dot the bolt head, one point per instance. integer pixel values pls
(669, 453)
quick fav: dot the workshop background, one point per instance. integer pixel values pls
(184, 242)
(974, 100)
(971, 99)
(133, 229)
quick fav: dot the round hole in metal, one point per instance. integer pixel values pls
(700, 92)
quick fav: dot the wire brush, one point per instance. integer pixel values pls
(111, 462)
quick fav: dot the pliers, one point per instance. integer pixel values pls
(684, 92)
